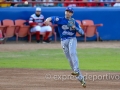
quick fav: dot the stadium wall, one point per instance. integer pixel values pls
(109, 16)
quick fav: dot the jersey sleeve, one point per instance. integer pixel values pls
(31, 21)
(55, 19)
(79, 29)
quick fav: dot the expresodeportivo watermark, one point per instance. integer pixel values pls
(107, 76)
(91, 77)
(60, 77)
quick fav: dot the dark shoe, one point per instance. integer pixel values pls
(41, 38)
(75, 73)
(46, 41)
(38, 41)
(83, 82)
(1, 39)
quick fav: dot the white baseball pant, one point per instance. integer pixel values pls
(41, 29)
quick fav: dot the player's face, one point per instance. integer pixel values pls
(38, 12)
(68, 14)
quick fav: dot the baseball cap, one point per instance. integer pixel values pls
(69, 9)
(38, 9)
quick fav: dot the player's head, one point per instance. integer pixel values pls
(69, 12)
(38, 11)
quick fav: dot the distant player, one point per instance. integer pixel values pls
(1, 37)
(36, 22)
(67, 28)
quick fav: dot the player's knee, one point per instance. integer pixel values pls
(72, 53)
(37, 28)
(49, 28)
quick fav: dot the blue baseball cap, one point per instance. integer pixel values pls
(69, 9)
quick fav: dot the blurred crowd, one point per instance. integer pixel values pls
(99, 3)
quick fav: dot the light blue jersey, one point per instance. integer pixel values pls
(63, 29)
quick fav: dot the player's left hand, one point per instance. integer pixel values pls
(73, 27)
(71, 23)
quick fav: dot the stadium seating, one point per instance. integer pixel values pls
(53, 31)
(91, 29)
(21, 29)
(10, 28)
(2, 28)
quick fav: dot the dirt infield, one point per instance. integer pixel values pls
(32, 79)
(37, 79)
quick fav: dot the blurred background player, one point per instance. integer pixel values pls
(36, 22)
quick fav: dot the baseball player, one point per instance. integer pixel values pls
(36, 22)
(1, 37)
(67, 28)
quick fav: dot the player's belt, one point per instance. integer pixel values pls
(66, 38)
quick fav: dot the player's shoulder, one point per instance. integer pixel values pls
(76, 21)
(42, 16)
(73, 19)
(33, 15)
(61, 17)
(56, 18)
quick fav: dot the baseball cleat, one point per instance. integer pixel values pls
(75, 73)
(83, 82)
(46, 41)
(38, 41)
(1, 39)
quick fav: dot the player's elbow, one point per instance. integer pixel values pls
(80, 31)
(49, 19)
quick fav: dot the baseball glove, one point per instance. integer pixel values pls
(71, 23)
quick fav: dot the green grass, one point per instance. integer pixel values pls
(89, 59)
